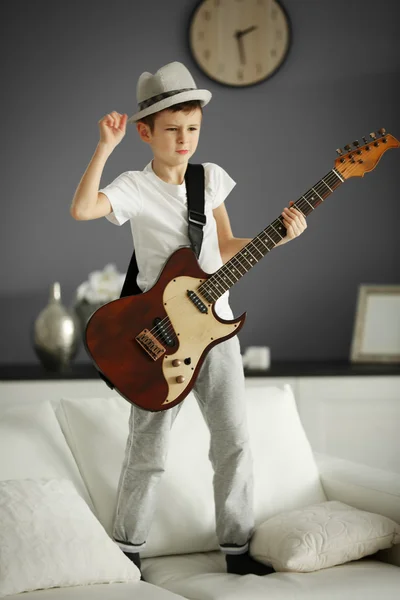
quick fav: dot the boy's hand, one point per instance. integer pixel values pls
(295, 223)
(112, 129)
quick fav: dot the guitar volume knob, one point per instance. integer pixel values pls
(180, 379)
(176, 362)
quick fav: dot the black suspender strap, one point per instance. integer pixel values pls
(130, 287)
(194, 179)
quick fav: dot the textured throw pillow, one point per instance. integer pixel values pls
(320, 536)
(49, 537)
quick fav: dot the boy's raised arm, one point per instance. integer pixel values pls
(87, 202)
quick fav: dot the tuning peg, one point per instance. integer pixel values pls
(356, 143)
(372, 135)
(339, 151)
(347, 147)
(365, 139)
(382, 131)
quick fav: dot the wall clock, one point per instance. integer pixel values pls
(239, 42)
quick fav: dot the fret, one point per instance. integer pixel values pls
(224, 280)
(243, 254)
(248, 246)
(225, 275)
(232, 272)
(208, 294)
(265, 246)
(281, 236)
(212, 290)
(323, 189)
(298, 207)
(311, 196)
(318, 194)
(242, 259)
(274, 243)
(218, 283)
(255, 246)
(308, 202)
(261, 248)
(281, 226)
(239, 264)
(337, 175)
(323, 180)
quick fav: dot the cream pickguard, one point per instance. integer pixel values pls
(195, 331)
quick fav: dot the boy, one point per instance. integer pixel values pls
(154, 200)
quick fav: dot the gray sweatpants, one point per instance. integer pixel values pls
(219, 391)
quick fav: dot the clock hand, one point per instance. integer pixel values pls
(241, 50)
(238, 36)
(248, 30)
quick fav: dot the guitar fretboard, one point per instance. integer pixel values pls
(264, 242)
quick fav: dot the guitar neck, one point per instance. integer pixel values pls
(240, 264)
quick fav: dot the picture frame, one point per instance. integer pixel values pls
(376, 334)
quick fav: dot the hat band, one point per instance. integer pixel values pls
(159, 97)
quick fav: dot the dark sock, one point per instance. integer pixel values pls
(135, 558)
(243, 564)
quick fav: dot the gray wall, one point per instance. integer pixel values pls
(66, 64)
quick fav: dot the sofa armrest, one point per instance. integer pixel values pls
(363, 487)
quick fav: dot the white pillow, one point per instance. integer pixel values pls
(321, 535)
(49, 538)
(96, 430)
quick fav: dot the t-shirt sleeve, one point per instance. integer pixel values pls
(218, 183)
(123, 194)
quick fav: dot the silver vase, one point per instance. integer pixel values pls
(56, 333)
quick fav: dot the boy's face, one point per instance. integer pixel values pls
(173, 131)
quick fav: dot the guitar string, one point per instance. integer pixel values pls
(258, 243)
(167, 325)
(329, 180)
(333, 178)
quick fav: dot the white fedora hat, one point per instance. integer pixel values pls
(170, 85)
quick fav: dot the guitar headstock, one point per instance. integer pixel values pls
(361, 159)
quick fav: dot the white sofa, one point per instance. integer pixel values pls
(83, 440)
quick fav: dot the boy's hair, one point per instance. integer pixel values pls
(186, 107)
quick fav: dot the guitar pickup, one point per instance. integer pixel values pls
(150, 344)
(197, 302)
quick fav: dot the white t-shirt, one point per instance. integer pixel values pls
(158, 216)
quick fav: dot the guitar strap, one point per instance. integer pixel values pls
(194, 179)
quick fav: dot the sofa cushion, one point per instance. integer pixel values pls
(103, 591)
(49, 538)
(320, 536)
(33, 445)
(204, 577)
(286, 475)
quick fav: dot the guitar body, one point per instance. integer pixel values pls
(150, 347)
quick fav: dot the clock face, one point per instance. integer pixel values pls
(239, 42)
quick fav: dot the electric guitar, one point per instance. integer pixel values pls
(150, 347)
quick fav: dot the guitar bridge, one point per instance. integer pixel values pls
(150, 344)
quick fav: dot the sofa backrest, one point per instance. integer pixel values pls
(32, 446)
(286, 475)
